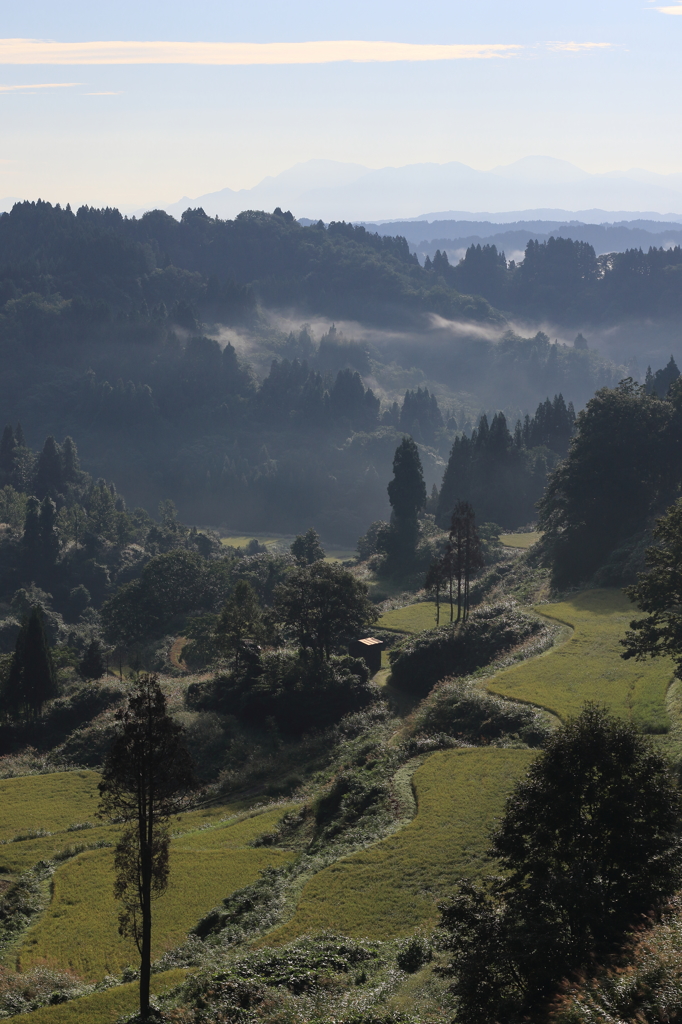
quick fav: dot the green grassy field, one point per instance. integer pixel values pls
(389, 889)
(588, 666)
(53, 803)
(414, 617)
(242, 540)
(79, 930)
(519, 540)
(101, 1007)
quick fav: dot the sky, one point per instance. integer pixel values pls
(231, 92)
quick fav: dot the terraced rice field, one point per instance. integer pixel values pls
(101, 1007)
(79, 930)
(414, 617)
(588, 666)
(519, 540)
(390, 889)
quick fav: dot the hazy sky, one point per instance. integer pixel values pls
(484, 82)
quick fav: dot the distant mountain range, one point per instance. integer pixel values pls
(541, 188)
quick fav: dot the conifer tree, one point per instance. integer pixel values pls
(91, 665)
(31, 680)
(49, 473)
(145, 777)
(19, 437)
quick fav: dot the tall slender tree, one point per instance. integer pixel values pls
(146, 775)
(31, 680)
(466, 554)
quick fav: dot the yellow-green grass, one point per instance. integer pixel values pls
(79, 930)
(51, 802)
(390, 889)
(414, 617)
(588, 666)
(101, 1007)
(54, 802)
(340, 555)
(519, 540)
(243, 540)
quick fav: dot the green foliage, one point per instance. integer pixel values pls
(501, 475)
(589, 666)
(240, 625)
(248, 911)
(647, 984)
(307, 549)
(171, 585)
(31, 680)
(295, 690)
(147, 773)
(101, 1007)
(462, 709)
(590, 842)
(325, 606)
(420, 662)
(659, 593)
(388, 890)
(619, 471)
(91, 665)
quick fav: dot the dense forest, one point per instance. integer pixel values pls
(153, 343)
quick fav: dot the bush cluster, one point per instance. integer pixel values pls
(423, 660)
(460, 708)
(298, 692)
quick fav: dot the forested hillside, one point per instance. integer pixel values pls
(154, 344)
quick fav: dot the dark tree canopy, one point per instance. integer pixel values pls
(32, 680)
(590, 843)
(306, 548)
(658, 592)
(407, 491)
(622, 467)
(325, 606)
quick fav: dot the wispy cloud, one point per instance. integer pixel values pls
(119, 93)
(39, 51)
(39, 85)
(677, 9)
(578, 47)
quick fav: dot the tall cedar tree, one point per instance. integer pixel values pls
(407, 491)
(659, 594)
(464, 555)
(407, 495)
(590, 843)
(147, 773)
(31, 680)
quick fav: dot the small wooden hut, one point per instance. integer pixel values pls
(369, 649)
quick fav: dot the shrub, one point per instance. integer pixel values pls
(459, 708)
(295, 690)
(413, 953)
(420, 662)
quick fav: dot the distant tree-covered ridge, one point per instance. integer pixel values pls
(567, 282)
(105, 266)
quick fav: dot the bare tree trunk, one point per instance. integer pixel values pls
(146, 944)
